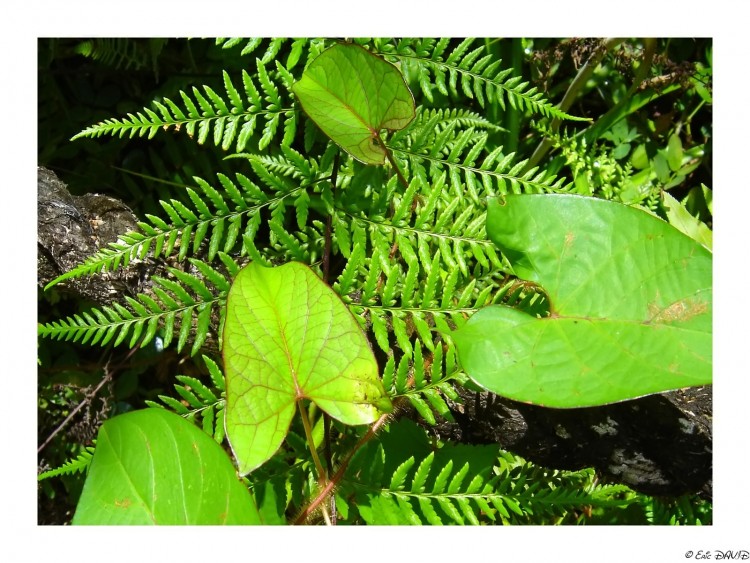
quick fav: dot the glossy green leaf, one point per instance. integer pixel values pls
(154, 467)
(352, 95)
(681, 219)
(288, 337)
(630, 301)
(674, 152)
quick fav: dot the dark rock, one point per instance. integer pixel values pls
(658, 445)
(70, 229)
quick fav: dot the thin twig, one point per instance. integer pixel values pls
(322, 475)
(89, 396)
(330, 485)
(107, 377)
(311, 442)
(326, 274)
(393, 163)
(578, 82)
(329, 223)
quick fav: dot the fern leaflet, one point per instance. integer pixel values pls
(229, 118)
(470, 69)
(70, 467)
(185, 302)
(200, 403)
(467, 485)
(222, 222)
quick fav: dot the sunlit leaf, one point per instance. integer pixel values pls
(289, 337)
(352, 95)
(630, 301)
(681, 219)
(154, 467)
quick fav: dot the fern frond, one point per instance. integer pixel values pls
(686, 510)
(299, 46)
(424, 379)
(250, 45)
(431, 248)
(414, 274)
(456, 242)
(218, 217)
(185, 302)
(460, 484)
(200, 403)
(429, 121)
(302, 244)
(290, 164)
(467, 71)
(459, 153)
(229, 118)
(70, 467)
(122, 53)
(596, 171)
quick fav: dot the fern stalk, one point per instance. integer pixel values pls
(330, 486)
(575, 87)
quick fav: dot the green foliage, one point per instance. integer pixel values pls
(630, 299)
(151, 461)
(77, 465)
(198, 402)
(684, 510)
(209, 219)
(122, 53)
(288, 337)
(461, 485)
(404, 246)
(231, 117)
(352, 95)
(466, 70)
(184, 303)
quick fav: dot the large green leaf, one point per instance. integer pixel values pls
(154, 467)
(630, 305)
(352, 95)
(288, 337)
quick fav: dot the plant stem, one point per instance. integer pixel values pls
(322, 475)
(329, 486)
(578, 82)
(512, 51)
(326, 276)
(311, 442)
(625, 105)
(329, 222)
(390, 158)
(327, 442)
(107, 378)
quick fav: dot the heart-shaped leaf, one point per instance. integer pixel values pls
(154, 467)
(287, 337)
(630, 305)
(352, 95)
